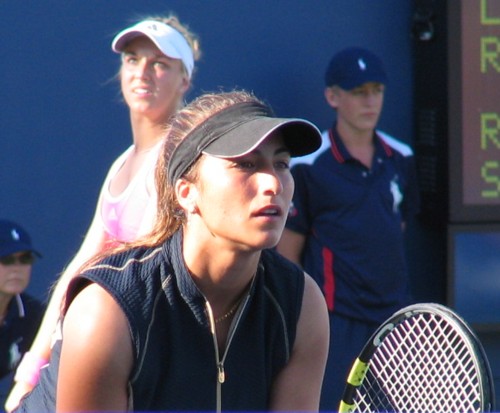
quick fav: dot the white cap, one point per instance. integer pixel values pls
(170, 42)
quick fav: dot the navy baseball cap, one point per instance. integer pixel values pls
(14, 238)
(353, 67)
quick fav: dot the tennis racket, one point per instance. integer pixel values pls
(423, 359)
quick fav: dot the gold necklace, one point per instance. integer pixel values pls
(236, 305)
(230, 312)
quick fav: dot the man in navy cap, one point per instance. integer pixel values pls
(346, 224)
(20, 314)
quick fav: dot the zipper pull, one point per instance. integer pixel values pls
(221, 375)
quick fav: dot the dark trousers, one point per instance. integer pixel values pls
(347, 338)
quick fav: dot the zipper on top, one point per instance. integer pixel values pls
(221, 375)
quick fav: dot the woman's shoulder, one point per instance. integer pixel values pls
(118, 162)
(129, 269)
(131, 277)
(135, 263)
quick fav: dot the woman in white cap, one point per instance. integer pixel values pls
(157, 56)
(202, 314)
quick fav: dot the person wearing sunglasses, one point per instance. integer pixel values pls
(20, 313)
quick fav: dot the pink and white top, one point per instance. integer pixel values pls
(130, 214)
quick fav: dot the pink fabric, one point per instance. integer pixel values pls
(123, 216)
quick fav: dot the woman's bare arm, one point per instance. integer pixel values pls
(96, 356)
(298, 386)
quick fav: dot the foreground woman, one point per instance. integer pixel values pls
(157, 64)
(201, 315)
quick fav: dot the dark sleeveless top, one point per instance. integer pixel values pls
(176, 362)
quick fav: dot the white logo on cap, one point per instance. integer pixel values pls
(15, 235)
(361, 64)
(159, 29)
(153, 27)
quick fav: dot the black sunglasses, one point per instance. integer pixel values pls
(26, 258)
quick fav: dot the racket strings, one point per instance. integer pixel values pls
(423, 365)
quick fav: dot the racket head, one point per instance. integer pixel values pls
(424, 358)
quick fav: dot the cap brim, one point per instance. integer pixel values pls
(122, 39)
(167, 39)
(17, 247)
(350, 84)
(301, 137)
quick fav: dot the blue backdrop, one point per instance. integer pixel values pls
(61, 115)
(62, 121)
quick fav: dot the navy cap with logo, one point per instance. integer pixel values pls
(353, 67)
(14, 238)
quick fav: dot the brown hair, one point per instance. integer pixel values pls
(169, 215)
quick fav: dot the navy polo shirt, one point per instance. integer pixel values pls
(24, 315)
(352, 219)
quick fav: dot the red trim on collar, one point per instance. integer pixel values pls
(387, 148)
(338, 156)
(334, 148)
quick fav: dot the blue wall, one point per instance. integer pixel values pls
(63, 122)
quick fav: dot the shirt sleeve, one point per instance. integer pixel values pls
(411, 200)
